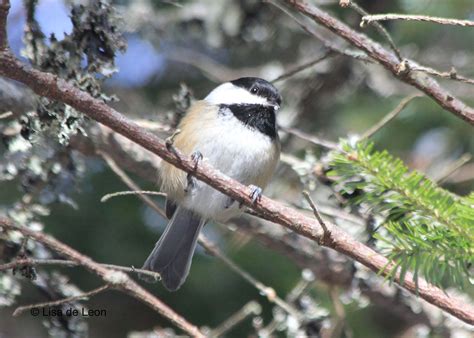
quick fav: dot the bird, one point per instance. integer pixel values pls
(234, 129)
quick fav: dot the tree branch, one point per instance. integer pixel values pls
(389, 117)
(52, 87)
(68, 263)
(401, 70)
(57, 89)
(378, 26)
(368, 19)
(116, 279)
(21, 309)
(269, 292)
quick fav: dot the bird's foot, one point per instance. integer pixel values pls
(196, 157)
(256, 193)
(170, 140)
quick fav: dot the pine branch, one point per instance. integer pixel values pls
(423, 221)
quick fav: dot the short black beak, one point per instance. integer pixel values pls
(275, 103)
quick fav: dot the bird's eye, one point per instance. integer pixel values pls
(254, 90)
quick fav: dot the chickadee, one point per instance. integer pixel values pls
(234, 129)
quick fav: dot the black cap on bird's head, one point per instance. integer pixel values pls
(246, 91)
(259, 87)
(251, 100)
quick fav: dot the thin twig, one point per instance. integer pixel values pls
(368, 19)
(106, 197)
(130, 183)
(117, 279)
(269, 292)
(378, 26)
(6, 115)
(452, 74)
(338, 214)
(301, 287)
(48, 85)
(316, 213)
(372, 19)
(21, 309)
(213, 70)
(453, 167)
(304, 66)
(387, 59)
(326, 43)
(68, 263)
(304, 284)
(251, 308)
(310, 138)
(389, 117)
(337, 327)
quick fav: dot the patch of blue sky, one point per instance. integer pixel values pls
(52, 16)
(139, 64)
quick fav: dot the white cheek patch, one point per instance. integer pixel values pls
(227, 93)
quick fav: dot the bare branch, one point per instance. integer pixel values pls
(453, 167)
(369, 19)
(88, 294)
(130, 183)
(50, 86)
(327, 43)
(269, 292)
(68, 263)
(390, 116)
(316, 213)
(105, 198)
(378, 26)
(208, 245)
(310, 138)
(211, 69)
(116, 279)
(6, 115)
(251, 308)
(452, 74)
(400, 70)
(302, 67)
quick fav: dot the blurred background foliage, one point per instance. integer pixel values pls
(201, 43)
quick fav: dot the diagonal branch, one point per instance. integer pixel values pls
(401, 70)
(389, 117)
(204, 241)
(52, 87)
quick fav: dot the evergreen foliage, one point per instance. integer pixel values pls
(425, 228)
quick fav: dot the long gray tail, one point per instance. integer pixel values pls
(173, 253)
